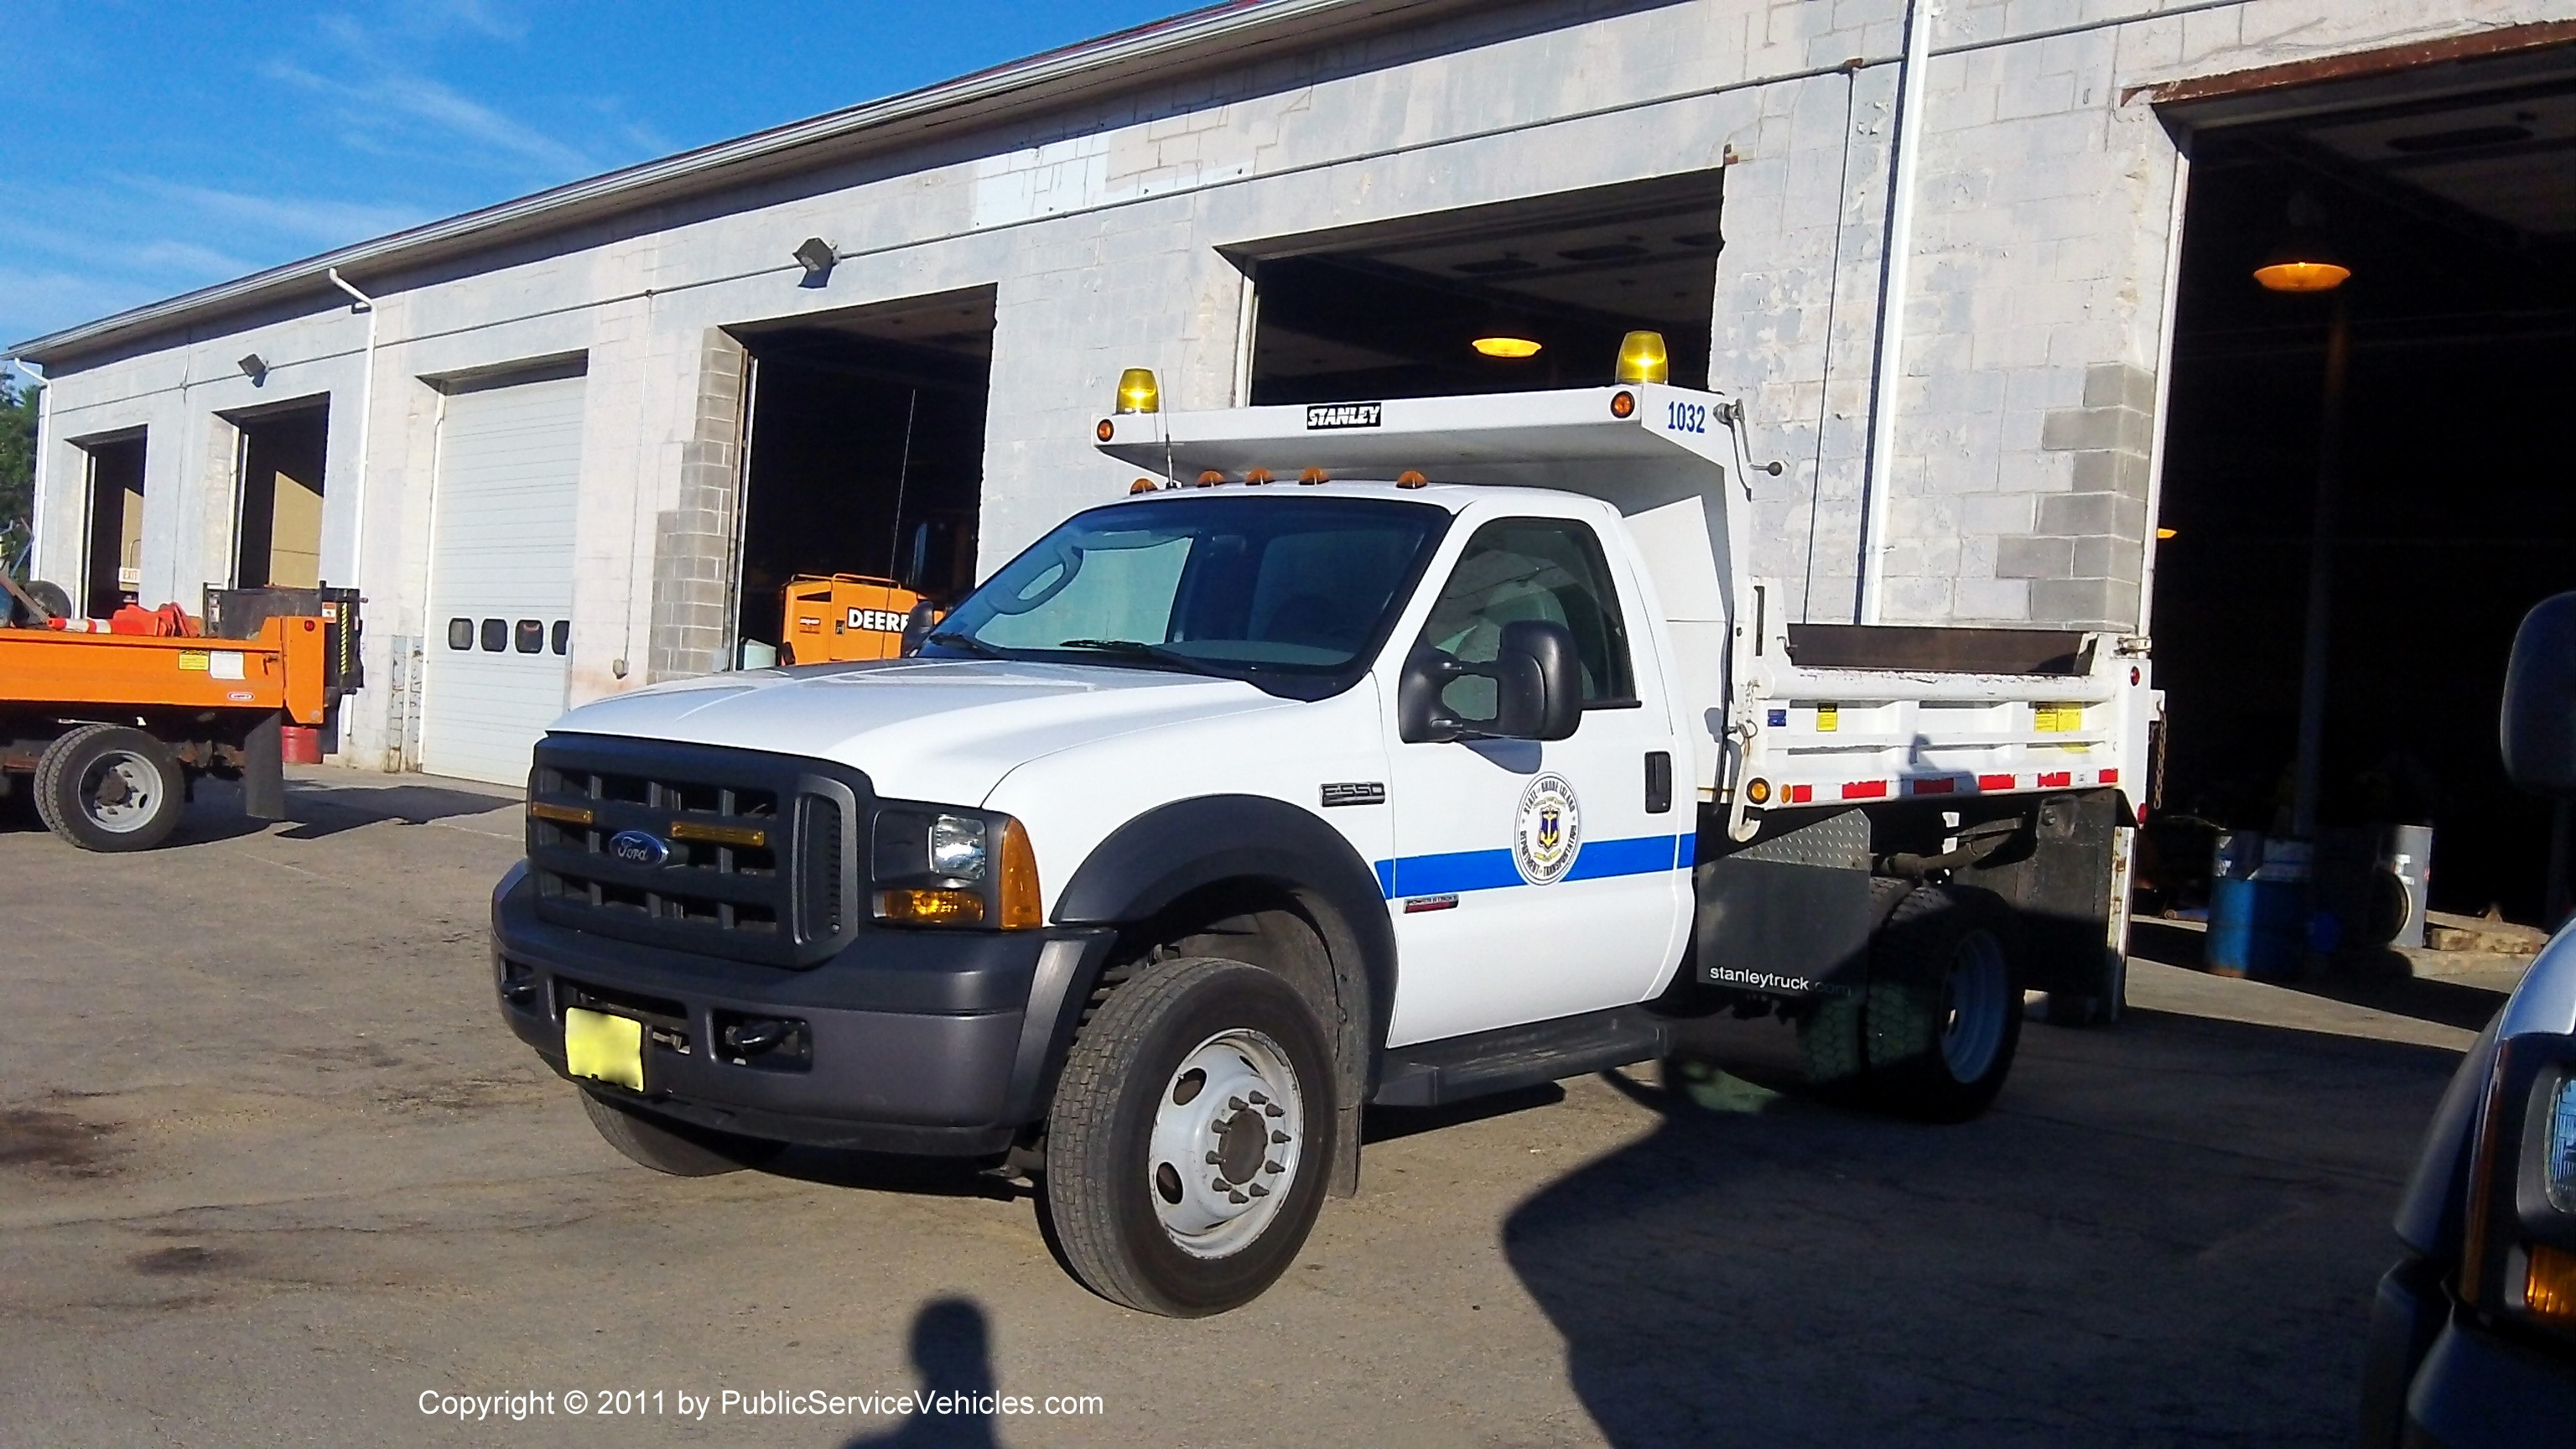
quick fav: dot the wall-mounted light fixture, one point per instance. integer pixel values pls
(816, 256)
(254, 367)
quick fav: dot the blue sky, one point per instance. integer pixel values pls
(156, 146)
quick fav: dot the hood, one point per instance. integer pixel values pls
(923, 729)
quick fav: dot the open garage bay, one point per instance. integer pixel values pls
(271, 1170)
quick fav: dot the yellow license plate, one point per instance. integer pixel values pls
(604, 1048)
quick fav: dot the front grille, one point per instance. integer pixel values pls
(754, 860)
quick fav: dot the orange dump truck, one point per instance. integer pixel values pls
(110, 731)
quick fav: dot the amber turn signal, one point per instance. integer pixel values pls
(563, 814)
(2549, 1284)
(1759, 792)
(1021, 907)
(930, 907)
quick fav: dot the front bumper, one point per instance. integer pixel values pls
(2436, 1380)
(912, 1041)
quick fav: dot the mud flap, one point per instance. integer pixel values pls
(263, 769)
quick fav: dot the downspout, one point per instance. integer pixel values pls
(44, 445)
(1896, 257)
(361, 302)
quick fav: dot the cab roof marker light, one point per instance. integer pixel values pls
(1256, 477)
(1210, 479)
(1141, 485)
(1312, 476)
(1138, 392)
(1411, 478)
(1643, 358)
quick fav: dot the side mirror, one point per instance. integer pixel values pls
(2538, 725)
(917, 626)
(1537, 689)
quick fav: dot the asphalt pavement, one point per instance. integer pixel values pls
(272, 1171)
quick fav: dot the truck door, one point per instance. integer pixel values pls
(1536, 880)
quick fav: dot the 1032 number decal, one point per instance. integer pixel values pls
(1682, 417)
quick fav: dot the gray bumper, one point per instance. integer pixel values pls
(911, 1041)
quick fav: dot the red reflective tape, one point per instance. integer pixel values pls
(1865, 790)
(2110, 777)
(2052, 781)
(1801, 794)
(1994, 782)
(1941, 786)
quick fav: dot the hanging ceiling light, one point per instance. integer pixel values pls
(1505, 341)
(2302, 261)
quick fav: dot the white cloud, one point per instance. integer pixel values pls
(303, 219)
(389, 96)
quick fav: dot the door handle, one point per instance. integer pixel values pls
(1659, 781)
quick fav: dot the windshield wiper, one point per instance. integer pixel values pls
(967, 642)
(1138, 649)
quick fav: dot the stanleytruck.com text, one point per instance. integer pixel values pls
(745, 1404)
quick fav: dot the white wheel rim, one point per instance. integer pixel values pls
(1973, 1007)
(121, 793)
(1228, 1129)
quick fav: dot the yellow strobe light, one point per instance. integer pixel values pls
(1644, 358)
(1138, 392)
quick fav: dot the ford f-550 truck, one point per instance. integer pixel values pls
(1379, 752)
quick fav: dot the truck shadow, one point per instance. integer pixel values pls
(2165, 1233)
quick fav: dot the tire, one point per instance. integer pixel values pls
(51, 597)
(673, 1147)
(1944, 1008)
(1198, 1082)
(1833, 1035)
(110, 787)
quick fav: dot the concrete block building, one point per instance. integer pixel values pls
(1938, 250)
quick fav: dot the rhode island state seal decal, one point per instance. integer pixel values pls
(1548, 834)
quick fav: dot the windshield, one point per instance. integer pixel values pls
(1267, 589)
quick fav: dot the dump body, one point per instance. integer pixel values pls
(280, 668)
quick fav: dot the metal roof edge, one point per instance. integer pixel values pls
(639, 185)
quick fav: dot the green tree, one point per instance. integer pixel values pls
(17, 464)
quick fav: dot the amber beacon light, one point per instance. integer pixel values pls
(1138, 392)
(1644, 358)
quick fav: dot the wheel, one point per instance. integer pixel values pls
(51, 597)
(674, 1147)
(109, 787)
(1190, 1138)
(1944, 1008)
(1833, 1035)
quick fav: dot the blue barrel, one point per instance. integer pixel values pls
(2258, 928)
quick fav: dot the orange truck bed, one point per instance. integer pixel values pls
(280, 668)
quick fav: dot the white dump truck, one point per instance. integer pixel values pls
(1367, 752)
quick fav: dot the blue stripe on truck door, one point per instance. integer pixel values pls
(1460, 871)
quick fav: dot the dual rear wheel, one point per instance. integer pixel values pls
(1932, 1033)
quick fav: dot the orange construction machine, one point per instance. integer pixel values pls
(110, 722)
(833, 617)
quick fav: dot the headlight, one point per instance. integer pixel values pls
(957, 847)
(946, 867)
(2518, 1259)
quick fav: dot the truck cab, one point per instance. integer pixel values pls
(1391, 752)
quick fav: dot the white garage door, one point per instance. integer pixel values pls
(500, 577)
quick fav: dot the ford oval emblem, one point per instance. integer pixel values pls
(636, 847)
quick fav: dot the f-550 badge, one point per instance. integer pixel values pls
(1548, 834)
